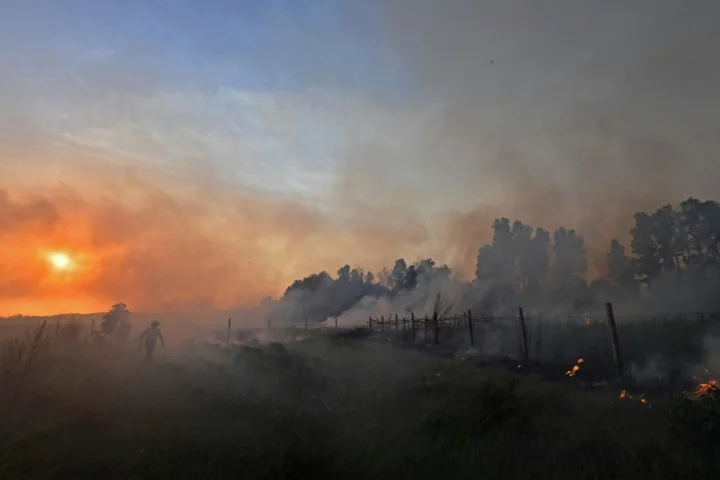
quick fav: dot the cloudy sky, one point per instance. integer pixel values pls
(206, 153)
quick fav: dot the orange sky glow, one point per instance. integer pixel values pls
(185, 161)
(158, 245)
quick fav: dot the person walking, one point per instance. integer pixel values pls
(149, 338)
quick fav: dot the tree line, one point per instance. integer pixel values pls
(672, 251)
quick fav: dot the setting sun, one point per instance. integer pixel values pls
(60, 261)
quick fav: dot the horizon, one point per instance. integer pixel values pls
(190, 157)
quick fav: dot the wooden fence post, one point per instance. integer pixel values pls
(470, 328)
(425, 325)
(382, 323)
(538, 341)
(228, 334)
(396, 323)
(615, 339)
(370, 323)
(437, 329)
(523, 333)
(336, 322)
(412, 324)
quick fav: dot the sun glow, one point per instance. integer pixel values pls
(60, 261)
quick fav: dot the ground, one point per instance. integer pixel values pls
(335, 408)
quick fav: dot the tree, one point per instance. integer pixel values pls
(484, 270)
(397, 275)
(644, 248)
(699, 226)
(537, 262)
(410, 279)
(620, 268)
(116, 322)
(657, 243)
(497, 262)
(522, 239)
(668, 238)
(568, 266)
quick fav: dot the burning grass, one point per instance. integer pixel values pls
(341, 407)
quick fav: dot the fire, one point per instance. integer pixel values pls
(705, 388)
(624, 394)
(575, 368)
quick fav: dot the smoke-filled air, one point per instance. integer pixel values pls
(348, 239)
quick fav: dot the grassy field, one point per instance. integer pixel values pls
(331, 408)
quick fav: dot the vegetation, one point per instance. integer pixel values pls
(116, 323)
(344, 408)
(674, 265)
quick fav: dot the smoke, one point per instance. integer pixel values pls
(160, 246)
(559, 114)
(456, 114)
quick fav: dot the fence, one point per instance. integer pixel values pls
(665, 346)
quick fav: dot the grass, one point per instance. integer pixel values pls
(346, 407)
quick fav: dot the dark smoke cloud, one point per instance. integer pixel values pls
(560, 113)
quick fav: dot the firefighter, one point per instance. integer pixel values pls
(149, 338)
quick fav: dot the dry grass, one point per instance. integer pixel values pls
(21, 359)
(339, 408)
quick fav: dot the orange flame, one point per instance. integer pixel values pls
(624, 394)
(705, 388)
(574, 369)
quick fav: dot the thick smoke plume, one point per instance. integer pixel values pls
(672, 265)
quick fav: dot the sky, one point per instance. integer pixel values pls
(189, 154)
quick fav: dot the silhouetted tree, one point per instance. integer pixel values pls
(397, 275)
(522, 239)
(568, 266)
(116, 322)
(537, 263)
(699, 225)
(530, 266)
(620, 268)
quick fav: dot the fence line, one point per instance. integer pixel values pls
(551, 340)
(614, 345)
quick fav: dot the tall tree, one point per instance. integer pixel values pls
(643, 246)
(620, 268)
(658, 243)
(538, 261)
(497, 262)
(522, 240)
(397, 275)
(569, 265)
(699, 224)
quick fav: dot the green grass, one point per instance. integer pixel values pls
(336, 409)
